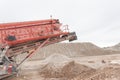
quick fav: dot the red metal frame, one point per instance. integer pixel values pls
(29, 31)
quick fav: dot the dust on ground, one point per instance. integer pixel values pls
(80, 62)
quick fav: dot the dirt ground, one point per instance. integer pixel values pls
(74, 64)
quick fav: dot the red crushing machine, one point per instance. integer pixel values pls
(22, 37)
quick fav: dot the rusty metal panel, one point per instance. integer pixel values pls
(19, 32)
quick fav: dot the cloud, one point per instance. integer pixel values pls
(97, 21)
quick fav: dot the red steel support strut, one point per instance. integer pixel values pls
(32, 52)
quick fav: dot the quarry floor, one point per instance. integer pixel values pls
(74, 61)
(102, 67)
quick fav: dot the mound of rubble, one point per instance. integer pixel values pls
(108, 73)
(71, 50)
(113, 48)
(59, 66)
(111, 72)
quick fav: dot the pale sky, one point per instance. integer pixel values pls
(96, 21)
